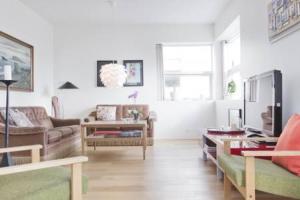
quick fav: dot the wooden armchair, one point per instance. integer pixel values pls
(248, 174)
(8, 175)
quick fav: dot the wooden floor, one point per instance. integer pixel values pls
(173, 170)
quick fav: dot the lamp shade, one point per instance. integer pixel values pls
(68, 85)
(113, 75)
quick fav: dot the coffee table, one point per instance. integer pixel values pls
(213, 146)
(112, 124)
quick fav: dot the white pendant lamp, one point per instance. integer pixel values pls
(113, 75)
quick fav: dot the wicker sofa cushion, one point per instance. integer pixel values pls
(268, 176)
(46, 184)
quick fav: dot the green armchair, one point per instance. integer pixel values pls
(247, 174)
(42, 180)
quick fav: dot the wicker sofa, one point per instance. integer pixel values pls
(122, 112)
(59, 137)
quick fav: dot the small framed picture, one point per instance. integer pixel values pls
(100, 63)
(134, 70)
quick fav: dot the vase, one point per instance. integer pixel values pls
(136, 117)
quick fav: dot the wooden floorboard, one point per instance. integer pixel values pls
(173, 170)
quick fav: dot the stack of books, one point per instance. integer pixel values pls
(211, 150)
(135, 133)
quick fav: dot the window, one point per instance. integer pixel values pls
(231, 67)
(187, 72)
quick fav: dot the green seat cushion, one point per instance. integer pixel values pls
(269, 177)
(45, 184)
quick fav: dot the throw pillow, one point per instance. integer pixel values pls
(20, 119)
(3, 115)
(289, 141)
(106, 113)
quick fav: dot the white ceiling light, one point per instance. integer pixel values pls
(113, 75)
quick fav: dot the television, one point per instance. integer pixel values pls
(263, 104)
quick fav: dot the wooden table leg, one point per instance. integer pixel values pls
(83, 143)
(144, 141)
(76, 181)
(204, 154)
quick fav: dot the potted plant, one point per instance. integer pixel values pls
(135, 114)
(231, 87)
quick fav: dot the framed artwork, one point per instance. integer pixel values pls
(100, 63)
(20, 56)
(135, 73)
(284, 18)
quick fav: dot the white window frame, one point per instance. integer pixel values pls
(162, 74)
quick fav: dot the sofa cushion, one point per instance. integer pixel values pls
(47, 123)
(54, 136)
(65, 130)
(45, 184)
(20, 119)
(106, 113)
(289, 140)
(3, 116)
(118, 111)
(36, 115)
(269, 177)
(42, 117)
(75, 128)
(29, 112)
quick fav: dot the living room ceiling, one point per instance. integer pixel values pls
(128, 11)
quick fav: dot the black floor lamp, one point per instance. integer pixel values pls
(6, 157)
(66, 86)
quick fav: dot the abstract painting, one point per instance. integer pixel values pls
(19, 55)
(135, 76)
(284, 18)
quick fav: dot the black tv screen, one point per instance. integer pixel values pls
(263, 103)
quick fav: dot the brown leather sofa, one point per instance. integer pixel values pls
(59, 137)
(122, 112)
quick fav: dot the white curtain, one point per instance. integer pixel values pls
(160, 71)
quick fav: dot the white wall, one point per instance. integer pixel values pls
(77, 48)
(259, 55)
(19, 21)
